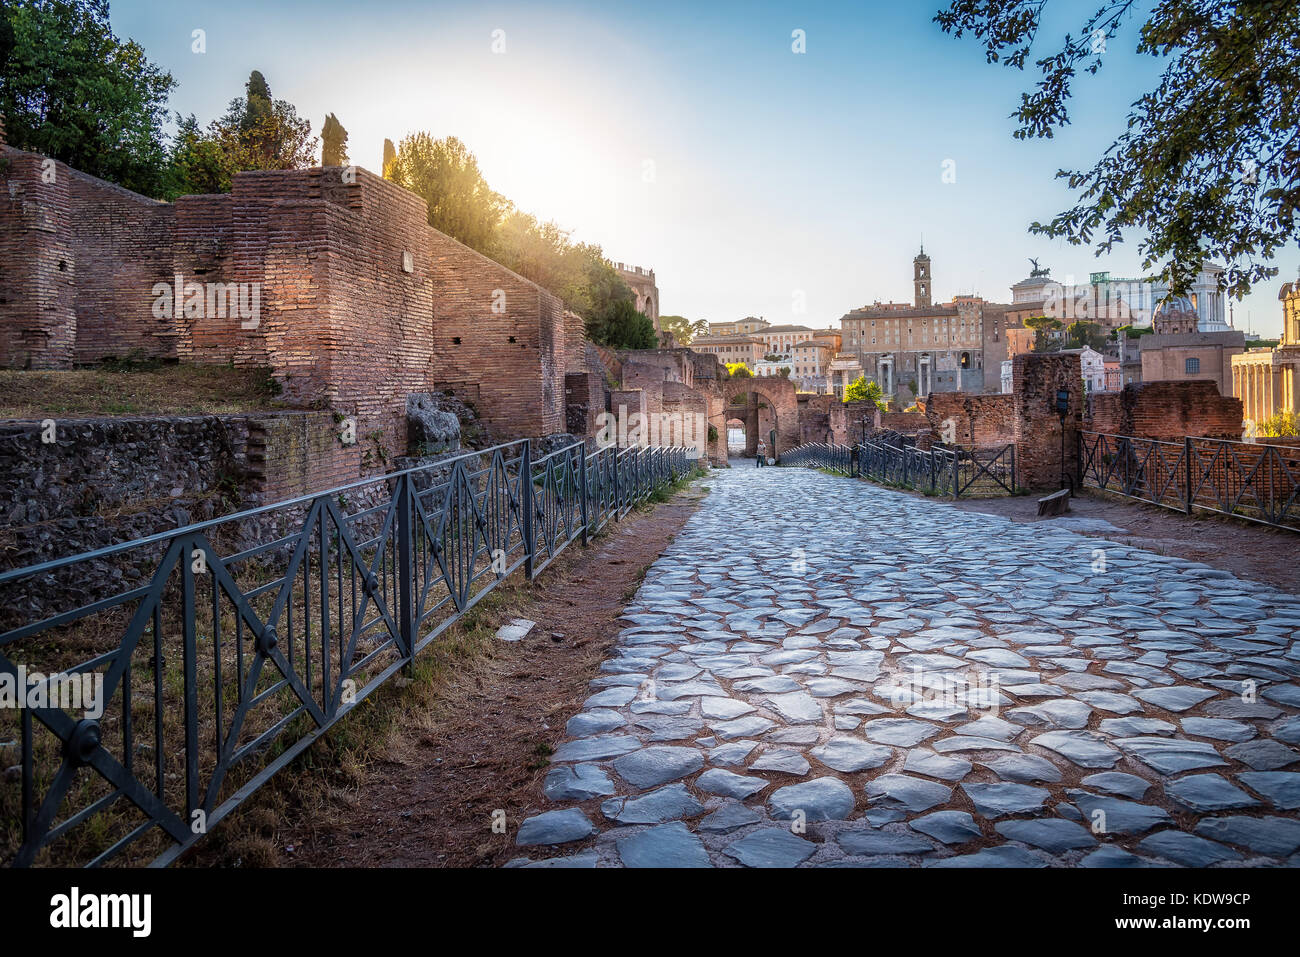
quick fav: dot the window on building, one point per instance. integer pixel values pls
(1193, 366)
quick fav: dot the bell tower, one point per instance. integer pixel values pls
(921, 279)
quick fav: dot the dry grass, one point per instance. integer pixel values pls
(136, 388)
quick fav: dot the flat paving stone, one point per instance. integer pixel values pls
(668, 845)
(1207, 792)
(1118, 782)
(901, 732)
(1264, 754)
(907, 793)
(1007, 797)
(1052, 835)
(1272, 836)
(851, 754)
(669, 803)
(657, 765)
(729, 817)
(1002, 856)
(771, 847)
(729, 784)
(1281, 788)
(1186, 849)
(950, 827)
(1172, 755)
(942, 766)
(883, 842)
(1111, 815)
(784, 760)
(578, 782)
(1024, 768)
(1084, 748)
(593, 749)
(554, 827)
(821, 799)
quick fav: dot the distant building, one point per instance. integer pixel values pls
(843, 370)
(811, 360)
(731, 349)
(741, 327)
(1180, 350)
(1268, 380)
(642, 283)
(913, 349)
(1092, 364)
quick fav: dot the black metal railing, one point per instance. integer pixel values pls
(1257, 482)
(832, 458)
(939, 470)
(205, 659)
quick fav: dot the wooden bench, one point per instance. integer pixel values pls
(1058, 503)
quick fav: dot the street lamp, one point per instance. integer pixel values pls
(1062, 410)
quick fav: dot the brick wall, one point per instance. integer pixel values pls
(1035, 381)
(689, 409)
(584, 402)
(1167, 411)
(629, 409)
(361, 302)
(981, 421)
(37, 266)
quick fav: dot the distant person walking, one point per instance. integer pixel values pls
(762, 454)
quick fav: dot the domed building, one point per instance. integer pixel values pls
(1176, 317)
(1188, 344)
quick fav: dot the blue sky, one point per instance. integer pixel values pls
(690, 138)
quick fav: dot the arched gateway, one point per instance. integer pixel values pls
(779, 392)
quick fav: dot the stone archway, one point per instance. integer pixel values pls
(780, 395)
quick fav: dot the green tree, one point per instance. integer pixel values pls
(445, 174)
(254, 133)
(71, 90)
(1205, 164)
(1083, 333)
(334, 142)
(622, 327)
(261, 133)
(199, 163)
(683, 330)
(1043, 327)
(861, 390)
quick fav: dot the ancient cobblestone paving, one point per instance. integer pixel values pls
(820, 671)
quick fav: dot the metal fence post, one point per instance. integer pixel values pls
(582, 488)
(405, 567)
(1187, 461)
(526, 506)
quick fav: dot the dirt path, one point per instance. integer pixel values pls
(430, 800)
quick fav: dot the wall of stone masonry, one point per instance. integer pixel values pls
(982, 421)
(37, 267)
(688, 410)
(361, 301)
(1167, 411)
(584, 402)
(1035, 381)
(628, 407)
(109, 480)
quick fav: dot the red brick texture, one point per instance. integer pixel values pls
(1167, 411)
(361, 301)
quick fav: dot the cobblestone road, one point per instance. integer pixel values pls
(824, 672)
